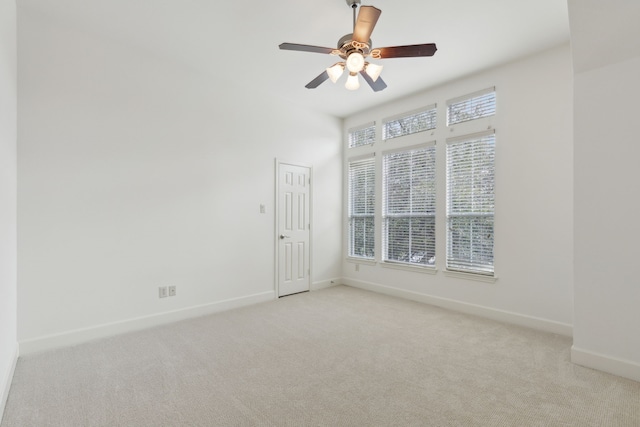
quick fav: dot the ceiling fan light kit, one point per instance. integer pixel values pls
(354, 48)
(352, 82)
(373, 70)
(355, 62)
(335, 71)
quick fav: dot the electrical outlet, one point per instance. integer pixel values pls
(357, 267)
(163, 292)
(172, 291)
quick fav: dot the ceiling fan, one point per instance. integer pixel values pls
(355, 47)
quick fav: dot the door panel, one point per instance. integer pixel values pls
(294, 184)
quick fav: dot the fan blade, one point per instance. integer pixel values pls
(318, 80)
(377, 86)
(367, 18)
(305, 48)
(427, 49)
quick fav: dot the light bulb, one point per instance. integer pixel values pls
(335, 71)
(352, 82)
(373, 71)
(355, 62)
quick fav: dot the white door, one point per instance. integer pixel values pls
(293, 229)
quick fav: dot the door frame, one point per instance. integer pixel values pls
(276, 223)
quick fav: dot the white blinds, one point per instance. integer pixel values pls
(470, 203)
(412, 123)
(365, 135)
(409, 206)
(362, 208)
(471, 107)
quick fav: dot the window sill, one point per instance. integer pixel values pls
(365, 261)
(471, 276)
(406, 267)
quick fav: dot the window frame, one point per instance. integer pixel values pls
(369, 159)
(471, 97)
(363, 127)
(431, 109)
(386, 215)
(458, 265)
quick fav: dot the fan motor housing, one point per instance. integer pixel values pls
(346, 45)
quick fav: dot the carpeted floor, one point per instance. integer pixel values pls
(336, 357)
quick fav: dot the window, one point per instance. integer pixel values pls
(409, 206)
(471, 107)
(363, 135)
(470, 203)
(400, 229)
(409, 123)
(362, 208)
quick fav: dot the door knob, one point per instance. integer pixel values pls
(282, 236)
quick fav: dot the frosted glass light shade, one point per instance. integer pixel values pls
(335, 71)
(373, 71)
(352, 82)
(355, 62)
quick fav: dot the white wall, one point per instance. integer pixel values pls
(8, 110)
(607, 149)
(136, 172)
(533, 236)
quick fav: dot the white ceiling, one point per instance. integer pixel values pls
(238, 40)
(603, 32)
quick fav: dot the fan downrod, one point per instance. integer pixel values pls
(353, 4)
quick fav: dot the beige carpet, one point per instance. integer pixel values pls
(336, 357)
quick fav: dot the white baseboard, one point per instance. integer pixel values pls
(602, 362)
(5, 385)
(316, 286)
(106, 330)
(463, 307)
